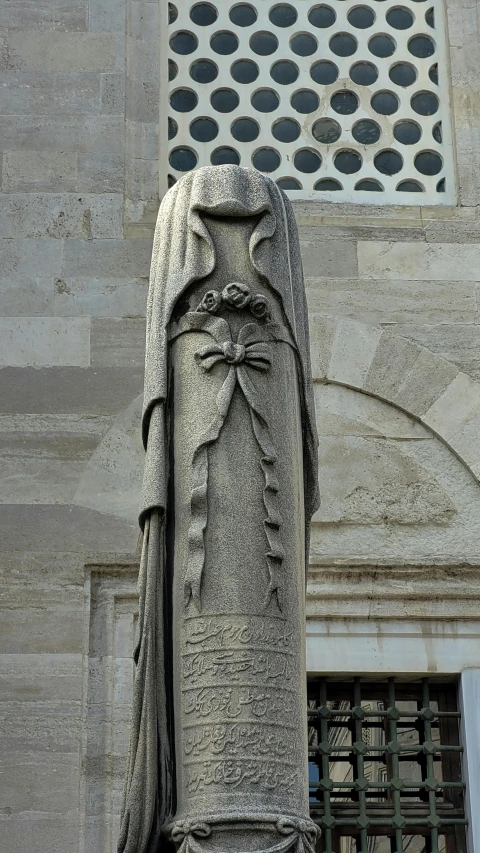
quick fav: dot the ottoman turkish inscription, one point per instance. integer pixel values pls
(218, 755)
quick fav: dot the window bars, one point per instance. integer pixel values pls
(385, 766)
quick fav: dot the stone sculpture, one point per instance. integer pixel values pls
(218, 756)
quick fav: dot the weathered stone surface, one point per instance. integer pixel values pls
(419, 261)
(353, 349)
(44, 341)
(101, 297)
(60, 215)
(458, 404)
(338, 258)
(63, 132)
(106, 258)
(29, 296)
(68, 53)
(458, 343)
(117, 342)
(71, 528)
(44, 15)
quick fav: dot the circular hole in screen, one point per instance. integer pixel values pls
(307, 161)
(428, 163)
(366, 132)
(284, 72)
(264, 44)
(286, 130)
(345, 103)
(421, 46)
(385, 103)
(437, 132)
(326, 130)
(305, 101)
(224, 156)
(441, 186)
(343, 44)
(324, 72)
(224, 43)
(224, 100)
(171, 181)
(433, 73)
(381, 46)
(425, 103)
(203, 129)
(203, 14)
(172, 69)
(282, 15)
(361, 17)
(369, 186)
(402, 74)
(265, 100)
(243, 15)
(289, 184)
(407, 132)
(204, 71)
(328, 185)
(388, 162)
(303, 44)
(348, 162)
(399, 18)
(183, 100)
(266, 160)
(363, 73)
(183, 43)
(430, 18)
(183, 159)
(322, 17)
(245, 130)
(409, 187)
(244, 71)
(172, 128)
(172, 13)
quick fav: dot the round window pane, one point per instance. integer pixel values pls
(203, 14)
(326, 130)
(244, 71)
(225, 156)
(345, 103)
(172, 69)
(204, 129)
(437, 132)
(265, 100)
(283, 15)
(245, 130)
(303, 44)
(305, 101)
(361, 17)
(324, 73)
(369, 186)
(425, 103)
(289, 184)
(348, 162)
(184, 43)
(363, 73)
(224, 43)
(243, 15)
(264, 44)
(343, 44)
(172, 13)
(385, 103)
(381, 46)
(430, 18)
(224, 100)
(204, 71)
(409, 187)
(428, 163)
(266, 160)
(183, 100)
(433, 74)
(421, 46)
(284, 72)
(286, 130)
(402, 74)
(307, 161)
(399, 18)
(322, 17)
(388, 162)
(366, 132)
(183, 159)
(171, 181)
(172, 128)
(407, 132)
(441, 186)
(328, 185)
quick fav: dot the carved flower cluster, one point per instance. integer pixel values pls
(236, 296)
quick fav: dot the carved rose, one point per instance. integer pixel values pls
(211, 302)
(236, 295)
(259, 307)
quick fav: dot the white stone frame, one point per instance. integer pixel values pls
(469, 706)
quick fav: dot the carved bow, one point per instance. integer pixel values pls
(248, 352)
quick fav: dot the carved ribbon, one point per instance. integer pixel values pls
(251, 351)
(299, 835)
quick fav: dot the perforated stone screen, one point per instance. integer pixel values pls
(336, 100)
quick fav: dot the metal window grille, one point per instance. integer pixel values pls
(335, 100)
(385, 766)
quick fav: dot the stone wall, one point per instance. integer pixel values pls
(395, 333)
